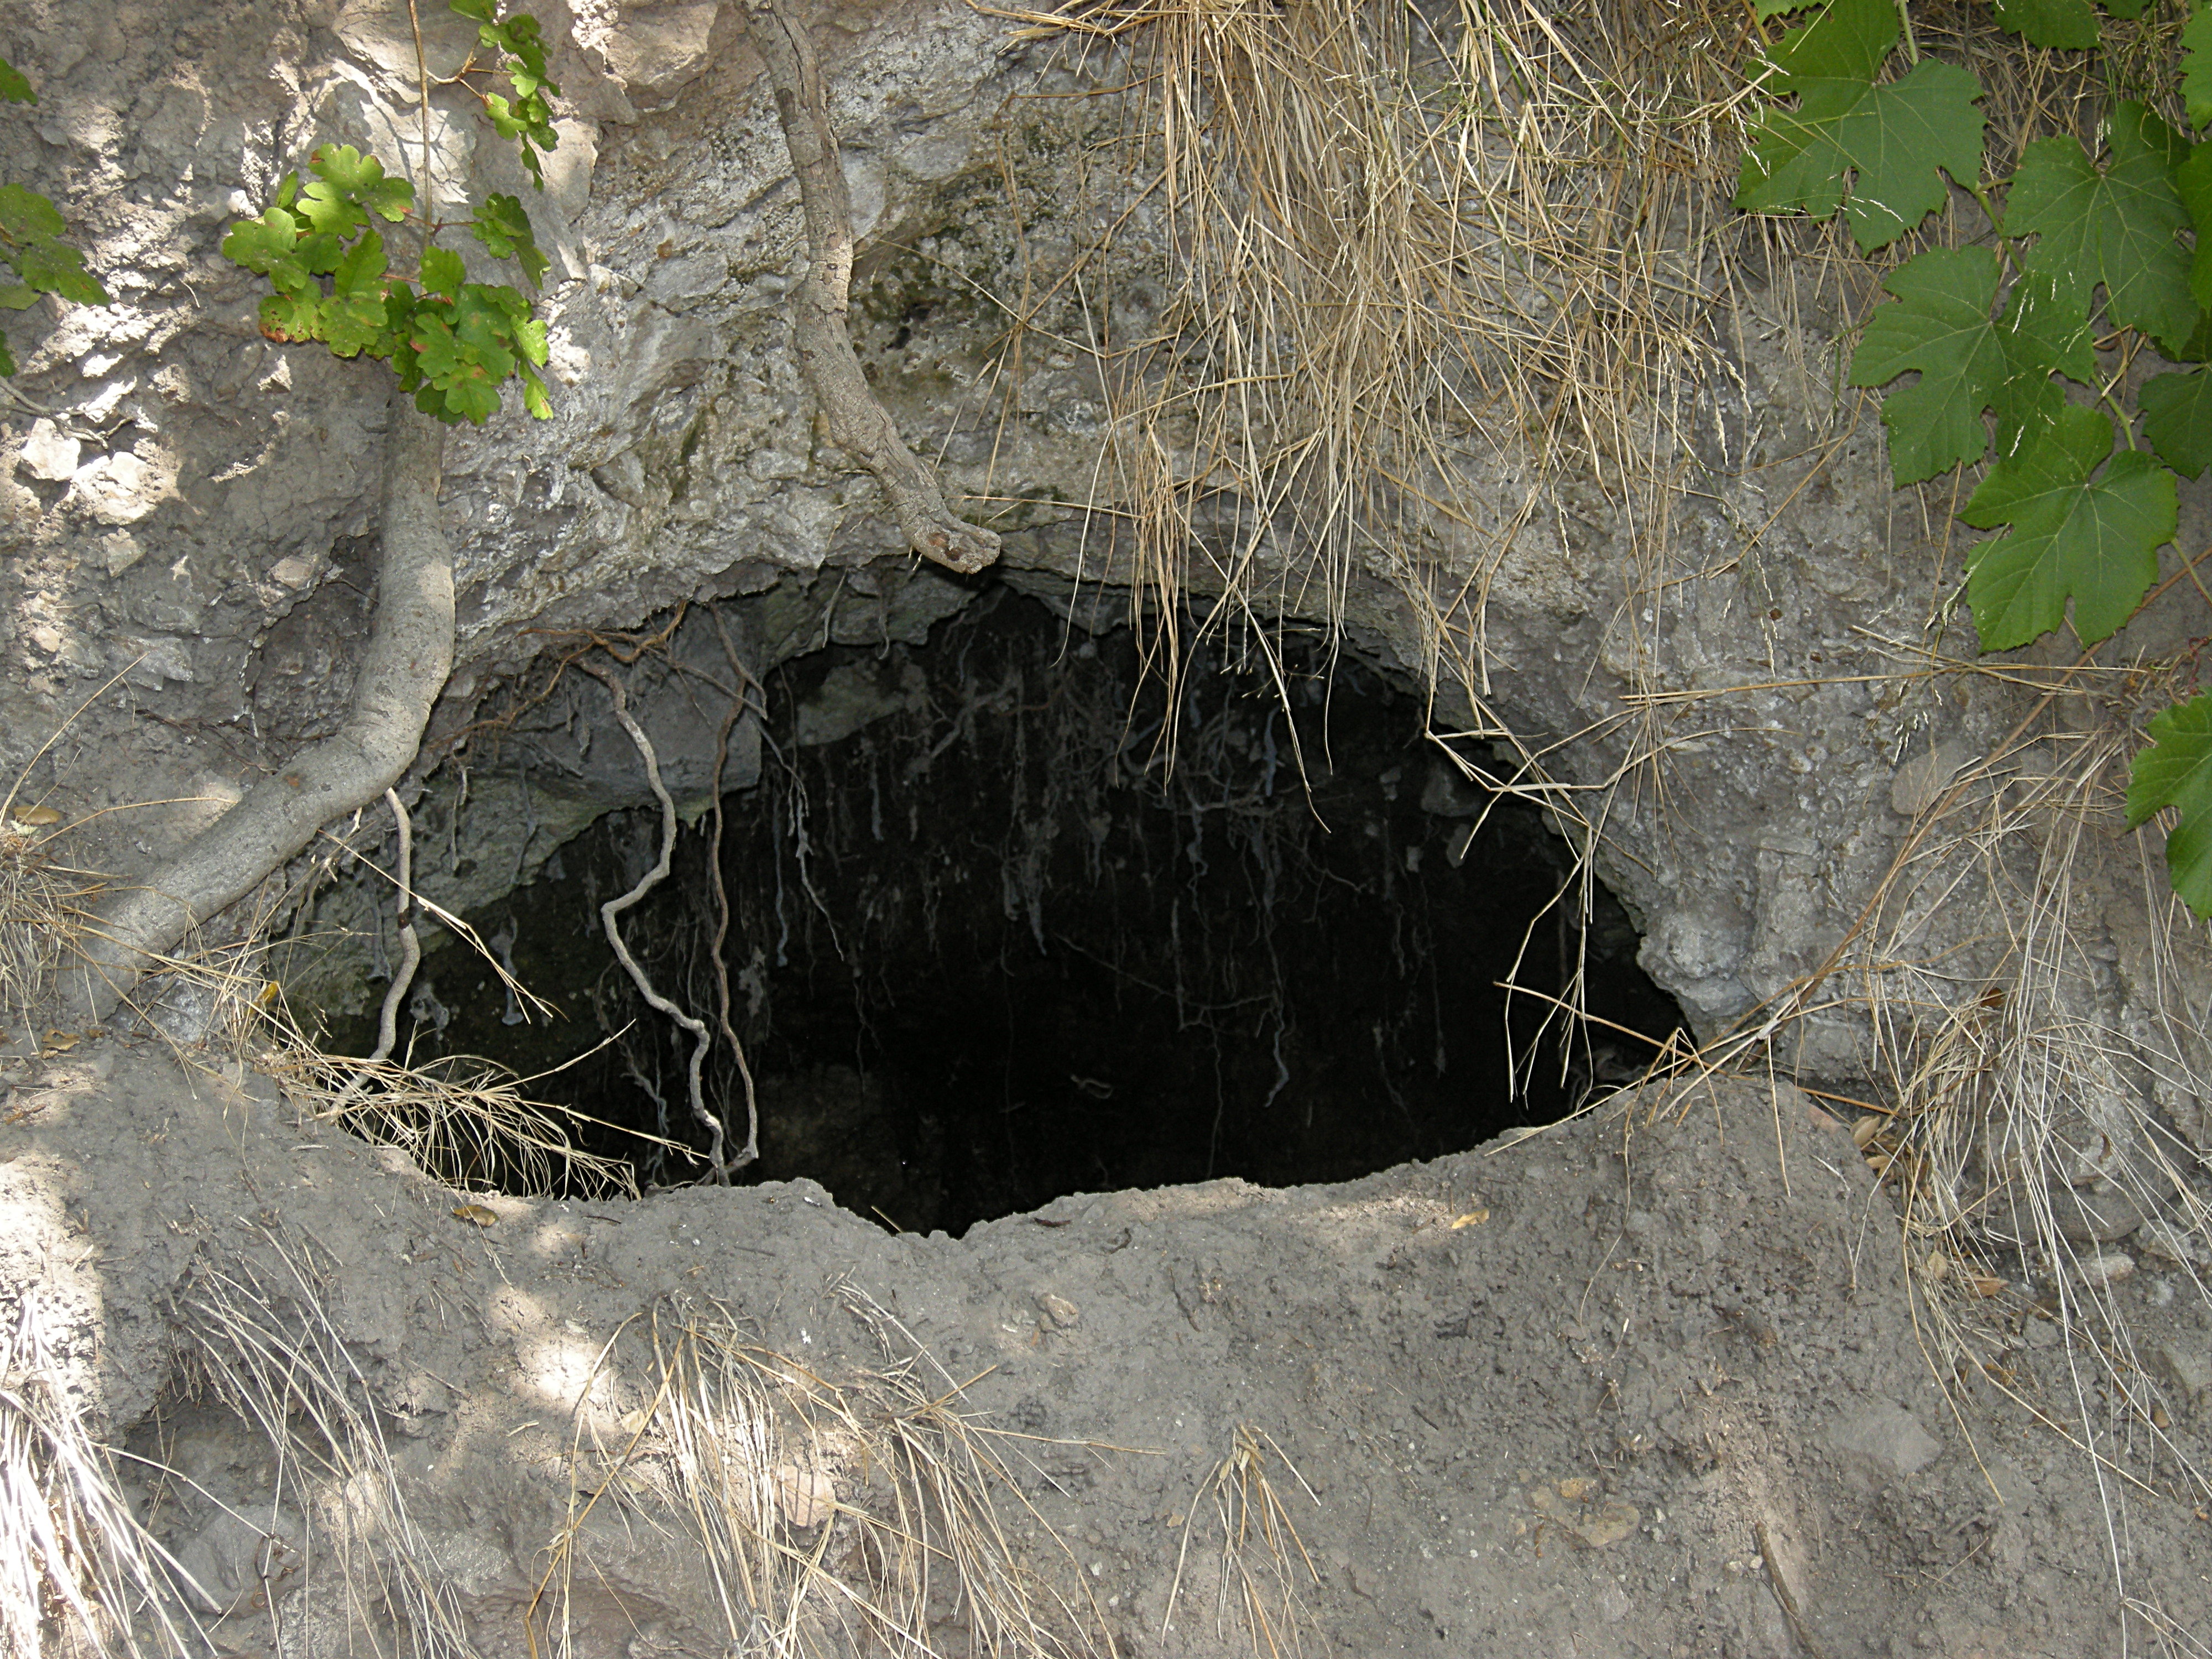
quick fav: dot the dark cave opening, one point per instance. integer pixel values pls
(1009, 917)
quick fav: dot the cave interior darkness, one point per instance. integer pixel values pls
(1010, 918)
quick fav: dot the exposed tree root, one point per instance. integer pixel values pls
(410, 956)
(701, 1039)
(862, 426)
(409, 656)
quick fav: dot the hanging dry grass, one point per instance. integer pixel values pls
(465, 1122)
(867, 1515)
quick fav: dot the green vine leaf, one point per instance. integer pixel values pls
(2177, 419)
(26, 215)
(2072, 535)
(2068, 24)
(443, 272)
(13, 87)
(2043, 335)
(1893, 142)
(2196, 67)
(2192, 185)
(2176, 771)
(1939, 325)
(503, 227)
(2115, 224)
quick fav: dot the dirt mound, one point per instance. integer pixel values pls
(1643, 1384)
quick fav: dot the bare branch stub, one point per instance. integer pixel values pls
(860, 424)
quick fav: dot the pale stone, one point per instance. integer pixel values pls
(1884, 1443)
(49, 452)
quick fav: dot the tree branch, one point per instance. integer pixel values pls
(862, 426)
(408, 655)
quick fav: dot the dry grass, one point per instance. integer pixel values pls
(1261, 1566)
(466, 1122)
(2014, 1122)
(43, 904)
(867, 1515)
(269, 1349)
(79, 1575)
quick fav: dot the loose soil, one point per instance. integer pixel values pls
(1645, 1383)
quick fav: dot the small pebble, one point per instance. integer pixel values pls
(2107, 1269)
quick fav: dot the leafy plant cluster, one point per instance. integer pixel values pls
(31, 246)
(453, 342)
(2021, 363)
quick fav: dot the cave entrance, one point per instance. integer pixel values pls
(1009, 917)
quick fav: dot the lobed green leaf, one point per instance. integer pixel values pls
(16, 90)
(2116, 225)
(2177, 419)
(2176, 771)
(53, 267)
(1893, 142)
(443, 272)
(2072, 535)
(503, 227)
(2196, 67)
(25, 213)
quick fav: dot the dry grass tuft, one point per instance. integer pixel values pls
(79, 1575)
(465, 1122)
(270, 1350)
(867, 1515)
(1263, 1565)
(43, 904)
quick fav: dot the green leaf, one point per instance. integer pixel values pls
(2126, 10)
(262, 245)
(437, 354)
(2192, 183)
(7, 359)
(293, 313)
(2093, 540)
(2043, 334)
(476, 11)
(25, 213)
(2115, 225)
(1894, 138)
(503, 227)
(2196, 67)
(359, 183)
(473, 398)
(2176, 771)
(442, 271)
(361, 271)
(353, 325)
(2066, 23)
(530, 341)
(17, 297)
(534, 398)
(2177, 420)
(16, 90)
(1940, 326)
(53, 267)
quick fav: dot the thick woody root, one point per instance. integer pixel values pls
(409, 654)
